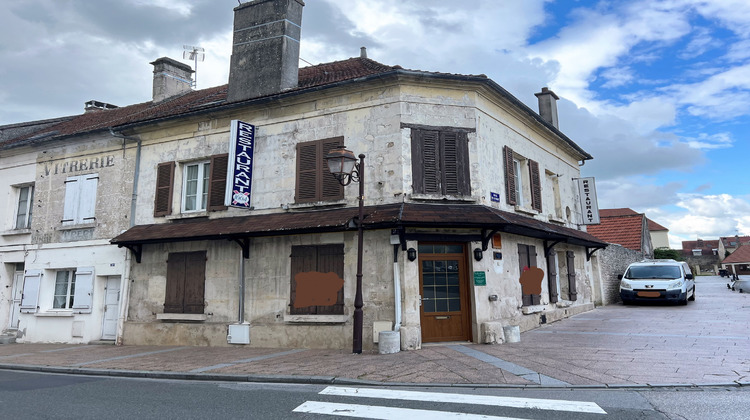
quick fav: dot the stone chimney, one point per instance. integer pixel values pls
(548, 106)
(171, 78)
(265, 49)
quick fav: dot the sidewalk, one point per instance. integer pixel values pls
(704, 343)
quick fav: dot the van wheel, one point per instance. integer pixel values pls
(693, 295)
(683, 302)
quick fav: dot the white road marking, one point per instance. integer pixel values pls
(539, 404)
(386, 413)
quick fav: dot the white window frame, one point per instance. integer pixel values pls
(80, 200)
(23, 209)
(201, 188)
(69, 296)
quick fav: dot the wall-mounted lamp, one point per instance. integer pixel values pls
(478, 254)
(411, 254)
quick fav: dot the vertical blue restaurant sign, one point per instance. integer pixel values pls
(240, 166)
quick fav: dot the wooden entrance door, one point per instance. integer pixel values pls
(443, 281)
(111, 308)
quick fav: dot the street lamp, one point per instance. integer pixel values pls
(344, 167)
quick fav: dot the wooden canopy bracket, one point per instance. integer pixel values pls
(136, 249)
(548, 246)
(590, 251)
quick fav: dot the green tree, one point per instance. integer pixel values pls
(668, 254)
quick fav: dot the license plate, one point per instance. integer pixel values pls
(649, 294)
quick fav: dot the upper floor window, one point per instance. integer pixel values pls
(522, 181)
(80, 199)
(314, 181)
(440, 162)
(24, 208)
(203, 186)
(195, 186)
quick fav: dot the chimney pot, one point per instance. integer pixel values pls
(363, 52)
(548, 106)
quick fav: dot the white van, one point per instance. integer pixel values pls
(650, 280)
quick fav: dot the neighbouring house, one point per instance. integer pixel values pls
(702, 255)
(729, 244)
(624, 227)
(738, 262)
(471, 213)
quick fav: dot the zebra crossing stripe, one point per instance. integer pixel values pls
(386, 413)
(533, 403)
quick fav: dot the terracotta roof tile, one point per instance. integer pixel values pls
(625, 230)
(740, 255)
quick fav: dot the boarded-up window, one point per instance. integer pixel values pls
(440, 162)
(527, 260)
(317, 284)
(80, 199)
(164, 182)
(186, 280)
(314, 181)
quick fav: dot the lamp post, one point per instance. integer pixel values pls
(344, 167)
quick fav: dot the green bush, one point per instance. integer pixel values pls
(668, 254)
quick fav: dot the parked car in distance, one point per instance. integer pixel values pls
(657, 280)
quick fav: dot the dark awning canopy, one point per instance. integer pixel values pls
(391, 216)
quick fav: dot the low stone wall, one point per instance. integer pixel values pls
(614, 260)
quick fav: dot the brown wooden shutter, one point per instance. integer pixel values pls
(552, 276)
(195, 282)
(510, 180)
(217, 182)
(164, 184)
(303, 259)
(174, 295)
(331, 260)
(536, 186)
(430, 154)
(455, 163)
(572, 291)
(307, 172)
(331, 188)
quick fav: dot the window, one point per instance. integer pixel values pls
(440, 162)
(25, 206)
(186, 283)
(203, 186)
(195, 186)
(554, 180)
(531, 292)
(517, 177)
(314, 181)
(65, 286)
(80, 199)
(697, 252)
(317, 283)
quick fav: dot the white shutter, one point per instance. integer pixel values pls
(84, 289)
(31, 281)
(87, 206)
(72, 198)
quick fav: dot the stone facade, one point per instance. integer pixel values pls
(613, 261)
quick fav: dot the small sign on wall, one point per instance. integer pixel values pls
(497, 241)
(480, 278)
(494, 197)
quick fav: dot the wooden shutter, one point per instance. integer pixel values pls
(572, 291)
(455, 163)
(323, 259)
(430, 154)
(536, 186)
(173, 297)
(164, 185)
(510, 180)
(217, 183)
(552, 276)
(87, 205)
(303, 259)
(195, 282)
(32, 279)
(72, 198)
(331, 188)
(82, 296)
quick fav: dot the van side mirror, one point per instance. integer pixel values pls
(619, 277)
(689, 276)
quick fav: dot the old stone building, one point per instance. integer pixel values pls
(471, 215)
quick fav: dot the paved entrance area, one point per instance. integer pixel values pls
(706, 342)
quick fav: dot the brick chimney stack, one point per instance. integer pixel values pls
(548, 106)
(171, 78)
(265, 49)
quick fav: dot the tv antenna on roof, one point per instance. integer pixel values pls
(196, 54)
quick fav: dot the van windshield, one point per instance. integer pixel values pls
(654, 272)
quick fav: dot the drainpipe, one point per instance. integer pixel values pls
(135, 174)
(396, 289)
(241, 317)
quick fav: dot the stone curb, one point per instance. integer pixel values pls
(329, 380)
